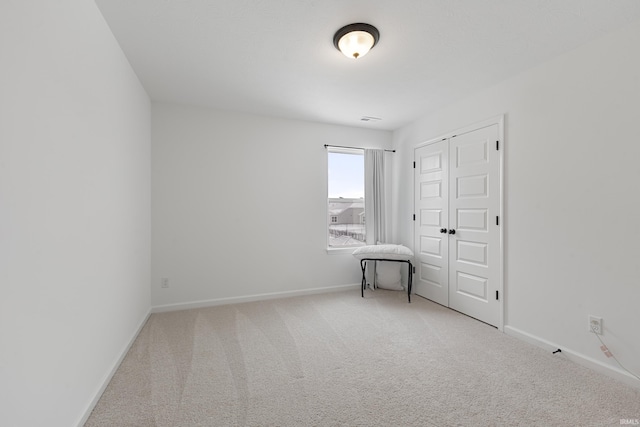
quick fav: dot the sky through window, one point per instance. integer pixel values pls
(346, 175)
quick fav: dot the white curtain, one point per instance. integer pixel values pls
(374, 197)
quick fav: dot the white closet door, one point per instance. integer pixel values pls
(474, 204)
(456, 239)
(432, 213)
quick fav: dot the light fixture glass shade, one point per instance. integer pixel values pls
(356, 44)
(355, 40)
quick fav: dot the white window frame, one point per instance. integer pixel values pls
(344, 249)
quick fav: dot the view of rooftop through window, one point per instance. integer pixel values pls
(346, 199)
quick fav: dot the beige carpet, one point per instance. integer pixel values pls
(340, 360)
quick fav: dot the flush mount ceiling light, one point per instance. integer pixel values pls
(355, 40)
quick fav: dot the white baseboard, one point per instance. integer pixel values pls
(111, 373)
(579, 358)
(250, 298)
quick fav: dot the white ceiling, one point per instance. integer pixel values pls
(276, 57)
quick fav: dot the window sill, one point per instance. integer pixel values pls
(341, 251)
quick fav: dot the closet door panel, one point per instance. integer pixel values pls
(474, 203)
(432, 215)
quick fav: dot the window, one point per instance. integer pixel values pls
(345, 202)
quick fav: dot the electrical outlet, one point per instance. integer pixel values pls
(595, 324)
(164, 282)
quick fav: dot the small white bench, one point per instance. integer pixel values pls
(392, 253)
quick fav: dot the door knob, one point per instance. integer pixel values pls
(452, 231)
(443, 230)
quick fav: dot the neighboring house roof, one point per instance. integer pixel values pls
(338, 207)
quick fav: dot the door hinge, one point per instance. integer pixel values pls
(414, 165)
(497, 296)
(497, 145)
(414, 270)
(497, 220)
(414, 217)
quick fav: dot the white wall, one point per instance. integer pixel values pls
(74, 209)
(239, 204)
(572, 177)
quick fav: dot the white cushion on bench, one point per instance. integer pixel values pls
(395, 252)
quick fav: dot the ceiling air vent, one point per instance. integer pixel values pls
(370, 119)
